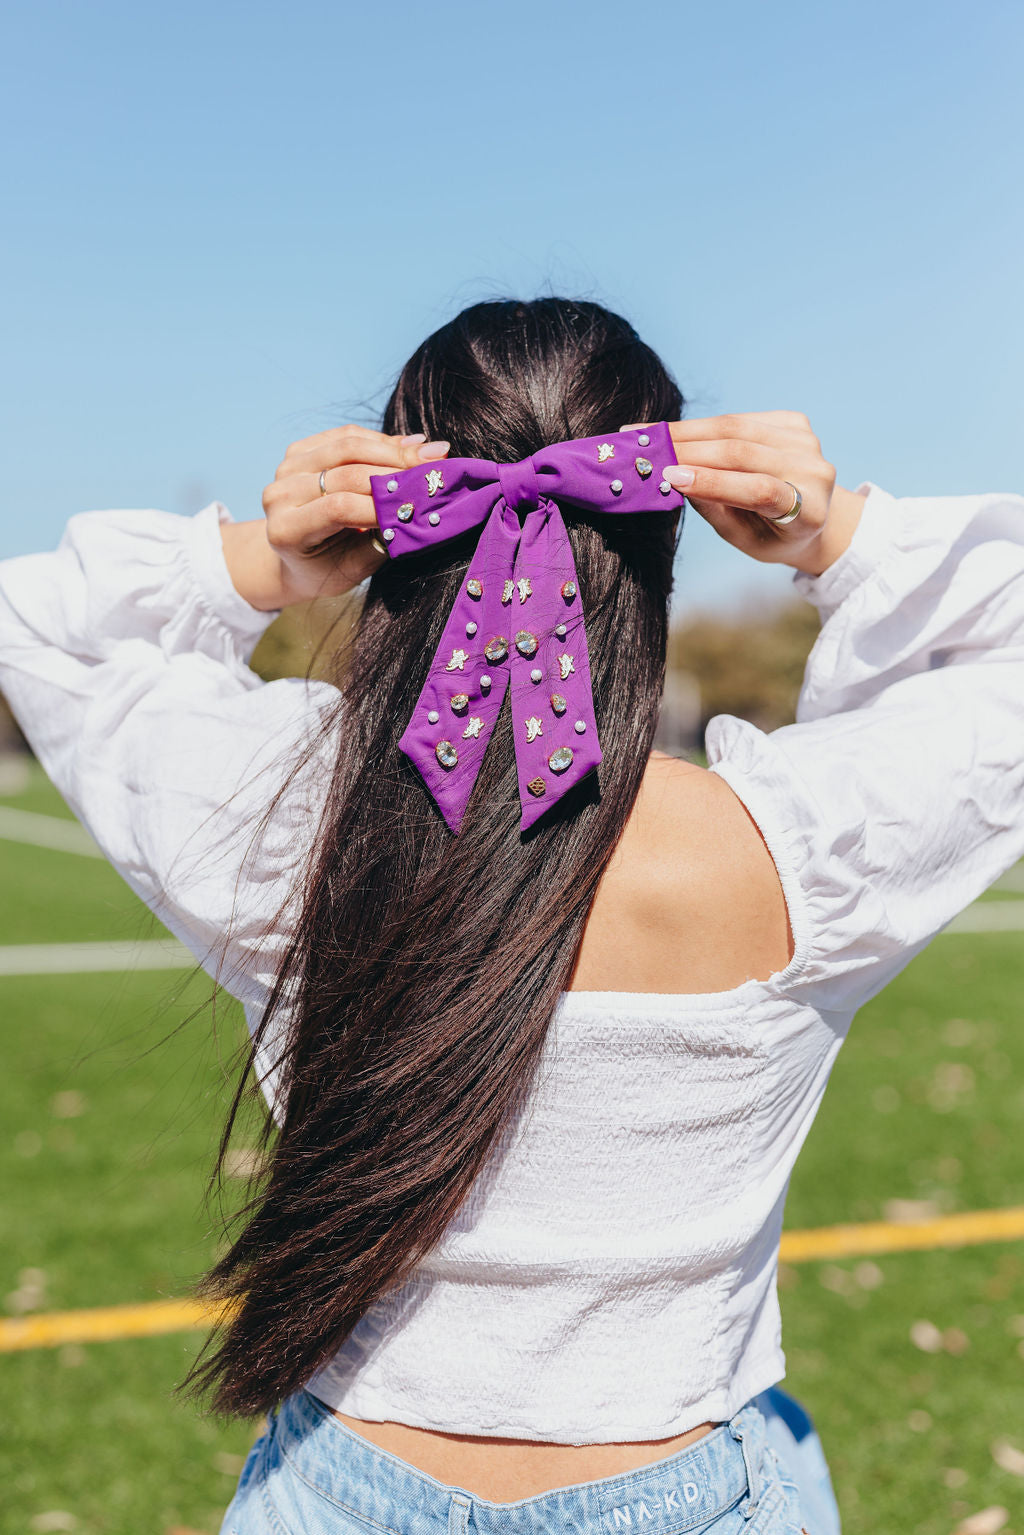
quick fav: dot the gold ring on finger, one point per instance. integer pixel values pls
(795, 509)
(323, 482)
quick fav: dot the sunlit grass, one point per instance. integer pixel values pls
(110, 1103)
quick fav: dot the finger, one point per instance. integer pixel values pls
(307, 526)
(346, 445)
(751, 426)
(784, 462)
(764, 494)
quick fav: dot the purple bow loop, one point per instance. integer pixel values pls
(518, 621)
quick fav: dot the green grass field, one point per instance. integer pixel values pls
(110, 1101)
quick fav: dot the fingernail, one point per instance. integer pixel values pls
(678, 475)
(433, 450)
(407, 442)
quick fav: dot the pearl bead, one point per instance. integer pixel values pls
(434, 518)
(433, 716)
(665, 488)
(471, 627)
(536, 675)
(560, 631)
(616, 486)
(392, 485)
(388, 535)
(643, 440)
(580, 726)
(485, 681)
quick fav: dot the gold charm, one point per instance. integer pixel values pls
(435, 481)
(458, 661)
(525, 589)
(565, 666)
(605, 451)
(474, 725)
(536, 787)
(507, 590)
(533, 728)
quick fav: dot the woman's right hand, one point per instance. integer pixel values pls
(316, 543)
(738, 471)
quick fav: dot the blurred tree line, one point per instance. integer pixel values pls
(750, 664)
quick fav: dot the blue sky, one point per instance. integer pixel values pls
(227, 225)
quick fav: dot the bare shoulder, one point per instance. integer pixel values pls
(691, 900)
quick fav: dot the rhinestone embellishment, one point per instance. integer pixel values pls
(475, 588)
(568, 590)
(460, 703)
(496, 649)
(560, 759)
(526, 643)
(536, 787)
(558, 703)
(644, 468)
(533, 728)
(446, 754)
(605, 451)
(435, 481)
(405, 511)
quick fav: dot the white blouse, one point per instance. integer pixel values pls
(612, 1275)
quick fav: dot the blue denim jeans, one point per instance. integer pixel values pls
(763, 1473)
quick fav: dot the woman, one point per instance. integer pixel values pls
(537, 1093)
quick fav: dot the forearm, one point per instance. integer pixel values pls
(834, 538)
(256, 570)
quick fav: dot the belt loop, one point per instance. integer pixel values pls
(741, 1434)
(458, 1514)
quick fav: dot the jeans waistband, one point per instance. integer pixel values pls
(681, 1492)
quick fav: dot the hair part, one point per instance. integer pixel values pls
(425, 968)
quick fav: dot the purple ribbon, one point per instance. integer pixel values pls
(518, 620)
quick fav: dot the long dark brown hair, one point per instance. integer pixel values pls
(424, 968)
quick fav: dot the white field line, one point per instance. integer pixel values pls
(79, 958)
(46, 831)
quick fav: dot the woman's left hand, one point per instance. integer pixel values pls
(316, 542)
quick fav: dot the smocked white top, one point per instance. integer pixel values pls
(612, 1276)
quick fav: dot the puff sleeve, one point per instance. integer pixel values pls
(898, 795)
(123, 655)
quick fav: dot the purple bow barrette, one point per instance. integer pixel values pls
(519, 618)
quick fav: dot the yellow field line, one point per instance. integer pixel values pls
(102, 1324)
